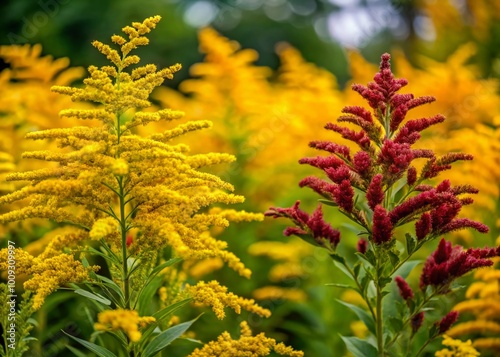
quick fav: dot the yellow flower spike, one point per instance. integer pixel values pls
(47, 273)
(124, 320)
(246, 345)
(217, 297)
(457, 348)
(103, 227)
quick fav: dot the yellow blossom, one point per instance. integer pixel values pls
(246, 345)
(216, 296)
(46, 273)
(457, 348)
(127, 321)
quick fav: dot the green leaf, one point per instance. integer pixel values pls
(112, 285)
(93, 296)
(168, 263)
(162, 314)
(362, 315)
(370, 256)
(76, 352)
(328, 202)
(166, 337)
(410, 243)
(356, 269)
(358, 347)
(393, 257)
(146, 296)
(338, 258)
(405, 269)
(395, 324)
(98, 350)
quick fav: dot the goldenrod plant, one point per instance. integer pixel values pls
(397, 209)
(139, 204)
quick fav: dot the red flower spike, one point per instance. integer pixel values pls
(362, 246)
(407, 133)
(362, 163)
(417, 321)
(423, 226)
(320, 186)
(412, 204)
(461, 223)
(452, 157)
(338, 174)
(458, 190)
(411, 176)
(397, 117)
(444, 214)
(448, 263)
(359, 138)
(423, 188)
(332, 148)
(422, 153)
(444, 186)
(322, 162)
(395, 157)
(360, 112)
(404, 289)
(322, 230)
(382, 226)
(375, 194)
(344, 196)
(400, 99)
(447, 321)
(416, 102)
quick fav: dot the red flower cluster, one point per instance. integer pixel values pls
(307, 225)
(448, 263)
(385, 156)
(404, 289)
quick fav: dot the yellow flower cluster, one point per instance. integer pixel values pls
(246, 345)
(457, 348)
(127, 321)
(214, 295)
(164, 191)
(46, 272)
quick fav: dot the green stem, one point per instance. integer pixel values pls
(379, 326)
(123, 229)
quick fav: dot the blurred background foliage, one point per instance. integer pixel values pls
(267, 104)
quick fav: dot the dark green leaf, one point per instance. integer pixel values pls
(328, 202)
(356, 269)
(370, 256)
(410, 243)
(166, 337)
(76, 352)
(359, 348)
(338, 258)
(93, 296)
(98, 350)
(362, 315)
(393, 257)
(383, 281)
